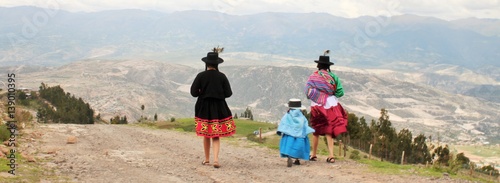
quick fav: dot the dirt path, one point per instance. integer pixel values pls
(123, 153)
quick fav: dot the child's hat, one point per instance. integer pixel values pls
(295, 103)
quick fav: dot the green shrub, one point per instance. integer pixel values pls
(4, 133)
(355, 155)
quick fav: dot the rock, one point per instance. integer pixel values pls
(71, 140)
(51, 151)
(446, 174)
(30, 159)
(4, 150)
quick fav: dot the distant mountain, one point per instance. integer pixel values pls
(36, 36)
(121, 87)
(487, 27)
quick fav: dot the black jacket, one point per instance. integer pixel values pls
(211, 84)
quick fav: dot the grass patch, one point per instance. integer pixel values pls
(391, 168)
(243, 127)
(3, 165)
(273, 142)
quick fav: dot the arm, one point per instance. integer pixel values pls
(195, 87)
(227, 87)
(340, 90)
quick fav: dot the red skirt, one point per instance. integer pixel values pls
(329, 121)
(215, 127)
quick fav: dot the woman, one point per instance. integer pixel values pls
(213, 117)
(328, 118)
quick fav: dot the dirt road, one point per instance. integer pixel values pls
(125, 153)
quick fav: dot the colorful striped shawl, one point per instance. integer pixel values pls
(318, 87)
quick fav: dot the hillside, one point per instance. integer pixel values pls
(121, 87)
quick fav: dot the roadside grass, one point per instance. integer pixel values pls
(28, 171)
(397, 169)
(431, 171)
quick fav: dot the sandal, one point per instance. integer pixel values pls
(205, 162)
(313, 158)
(216, 165)
(330, 160)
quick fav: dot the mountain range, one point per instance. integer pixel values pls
(31, 35)
(433, 76)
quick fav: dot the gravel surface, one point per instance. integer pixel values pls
(125, 153)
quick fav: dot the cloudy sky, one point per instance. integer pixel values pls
(444, 9)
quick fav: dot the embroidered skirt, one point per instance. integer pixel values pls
(213, 118)
(329, 121)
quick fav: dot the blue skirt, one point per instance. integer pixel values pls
(295, 147)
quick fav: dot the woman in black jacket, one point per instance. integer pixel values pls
(213, 118)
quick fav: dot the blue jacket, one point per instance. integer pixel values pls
(295, 124)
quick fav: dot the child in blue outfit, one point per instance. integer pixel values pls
(294, 129)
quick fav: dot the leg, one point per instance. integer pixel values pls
(216, 143)
(206, 147)
(314, 148)
(329, 140)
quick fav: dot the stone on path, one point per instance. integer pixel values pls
(71, 140)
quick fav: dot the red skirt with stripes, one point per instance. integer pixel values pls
(329, 121)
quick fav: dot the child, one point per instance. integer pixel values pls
(293, 129)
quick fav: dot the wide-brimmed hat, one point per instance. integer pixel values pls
(212, 58)
(295, 103)
(324, 60)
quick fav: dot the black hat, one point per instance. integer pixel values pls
(324, 60)
(212, 58)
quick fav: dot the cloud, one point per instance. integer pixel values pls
(450, 10)
(346, 8)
